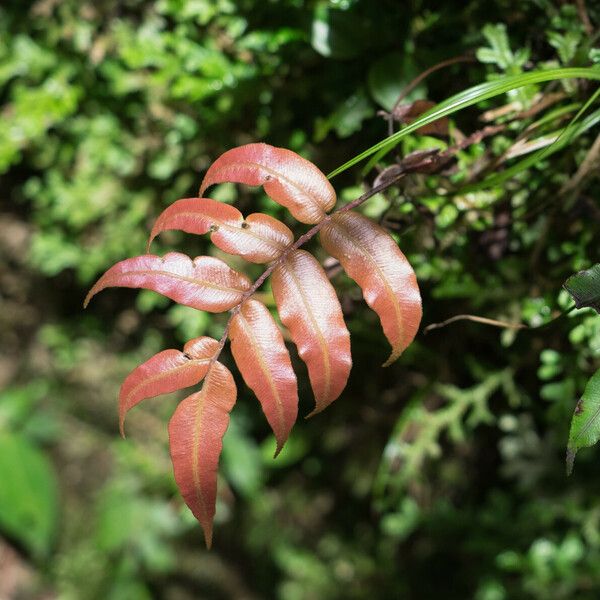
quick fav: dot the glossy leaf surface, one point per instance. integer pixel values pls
(371, 257)
(206, 283)
(264, 362)
(585, 426)
(196, 432)
(259, 238)
(166, 372)
(309, 308)
(287, 178)
(584, 288)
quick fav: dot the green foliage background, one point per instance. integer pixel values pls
(441, 476)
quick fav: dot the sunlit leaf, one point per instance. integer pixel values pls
(309, 308)
(466, 98)
(371, 257)
(196, 432)
(206, 283)
(166, 372)
(259, 238)
(264, 362)
(287, 178)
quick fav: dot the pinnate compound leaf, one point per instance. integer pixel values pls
(259, 238)
(370, 256)
(264, 362)
(309, 308)
(196, 432)
(585, 426)
(166, 372)
(206, 283)
(287, 178)
(584, 288)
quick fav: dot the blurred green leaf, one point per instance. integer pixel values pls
(566, 44)
(242, 459)
(337, 33)
(138, 525)
(347, 118)
(389, 76)
(28, 494)
(466, 98)
(294, 450)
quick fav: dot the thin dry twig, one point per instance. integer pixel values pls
(476, 319)
(417, 80)
(587, 169)
(496, 323)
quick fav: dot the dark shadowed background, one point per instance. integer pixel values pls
(440, 476)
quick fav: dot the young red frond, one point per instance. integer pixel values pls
(287, 178)
(309, 308)
(166, 372)
(206, 283)
(264, 362)
(196, 432)
(258, 238)
(371, 257)
(306, 301)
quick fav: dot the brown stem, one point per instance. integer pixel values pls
(417, 80)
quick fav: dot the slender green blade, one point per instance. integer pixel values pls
(467, 98)
(585, 426)
(554, 114)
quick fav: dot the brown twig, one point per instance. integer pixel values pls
(417, 80)
(476, 319)
(494, 322)
(474, 138)
(587, 169)
(389, 116)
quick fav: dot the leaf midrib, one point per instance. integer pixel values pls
(196, 444)
(198, 282)
(162, 374)
(278, 175)
(316, 327)
(264, 368)
(247, 231)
